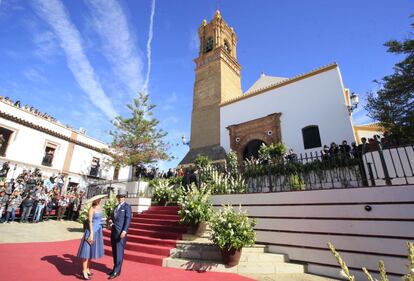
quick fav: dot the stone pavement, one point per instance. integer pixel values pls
(46, 231)
(288, 277)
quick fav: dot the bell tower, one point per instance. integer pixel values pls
(217, 79)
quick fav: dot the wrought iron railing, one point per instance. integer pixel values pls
(367, 166)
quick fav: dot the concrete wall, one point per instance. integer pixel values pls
(315, 100)
(299, 224)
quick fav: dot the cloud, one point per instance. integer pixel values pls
(111, 24)
(54, 13)
(150, 35)
(34, 75)
(46, 43)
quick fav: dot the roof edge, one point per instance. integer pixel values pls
(282, 83)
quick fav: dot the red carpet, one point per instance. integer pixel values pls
(54, 261)
(151, 235)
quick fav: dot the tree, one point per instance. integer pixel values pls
(137, 140)
(392, 105)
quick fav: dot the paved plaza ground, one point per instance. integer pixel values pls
(55, 258)
(46, 231)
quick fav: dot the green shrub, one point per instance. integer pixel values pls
(202, 161)
(272, 152)
(231, 229)
(195, 205)
(296, 183)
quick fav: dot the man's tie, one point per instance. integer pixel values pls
(116, 210)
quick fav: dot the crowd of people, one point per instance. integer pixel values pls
(353, 150)
(36, 198)
(31, 109)
(155, 173)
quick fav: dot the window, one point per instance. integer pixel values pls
(311, 137)
(4, 140)
(94, 167)
(49, 154)
(227, 46)
(209, 44)
(116, 173)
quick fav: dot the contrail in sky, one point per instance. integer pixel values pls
(150, 34)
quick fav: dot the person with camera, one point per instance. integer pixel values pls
(50, 205)
(41, 199)
(12, 205)
(27, 205)
(3, 202)
(62, 205)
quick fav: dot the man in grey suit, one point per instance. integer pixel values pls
(119, 223)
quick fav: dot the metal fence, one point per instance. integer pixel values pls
(376, 167)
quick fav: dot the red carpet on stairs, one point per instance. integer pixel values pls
(53, 261)
(151, 235)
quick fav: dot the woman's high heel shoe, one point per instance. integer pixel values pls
(90, 273)
(85, 276)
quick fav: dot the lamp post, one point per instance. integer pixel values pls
(353, 101)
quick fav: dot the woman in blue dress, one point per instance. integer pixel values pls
(91, 246)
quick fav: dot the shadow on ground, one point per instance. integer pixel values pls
(70, 265)
(75, 229)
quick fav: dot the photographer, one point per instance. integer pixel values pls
(41, 199)
(3, 202)
(27, 205)
(12, 205)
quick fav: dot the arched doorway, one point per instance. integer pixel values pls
(252, 149)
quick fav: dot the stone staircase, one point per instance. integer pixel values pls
(198, 253)
(156, 237)
(151, 235)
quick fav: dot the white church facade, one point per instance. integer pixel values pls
(316, 101)
(304, 112)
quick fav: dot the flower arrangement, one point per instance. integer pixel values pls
(195, 205)
(162, 193)
(231, 229)
(110, 204)
(83, 214)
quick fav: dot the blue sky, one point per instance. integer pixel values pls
(82, 61)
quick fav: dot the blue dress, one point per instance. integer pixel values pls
(96, 250)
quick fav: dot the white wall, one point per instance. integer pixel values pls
(316, 100)
(26, 148)
(299, 224)
(27, 145)
(82, 160)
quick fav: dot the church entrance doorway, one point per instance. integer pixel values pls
(252, 149)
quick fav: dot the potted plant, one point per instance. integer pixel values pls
(195, 207)
(230, 232)
(162, 193)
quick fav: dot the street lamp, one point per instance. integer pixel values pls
(354, 101)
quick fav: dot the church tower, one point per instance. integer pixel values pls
(217, 79)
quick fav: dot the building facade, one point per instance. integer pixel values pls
(30, 141)
(304, 112)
